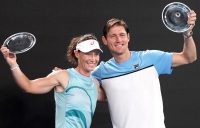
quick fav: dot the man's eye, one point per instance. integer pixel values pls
(122, 35)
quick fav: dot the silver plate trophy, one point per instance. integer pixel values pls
(175, 17)
(20, 42)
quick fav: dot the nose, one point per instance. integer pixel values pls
(93, 57)
(118, 38)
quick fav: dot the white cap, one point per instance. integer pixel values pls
(88, 45)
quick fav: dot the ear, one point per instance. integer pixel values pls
(128, 35)
(103, 38)
(76, 53)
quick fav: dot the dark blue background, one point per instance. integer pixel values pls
(54, 23)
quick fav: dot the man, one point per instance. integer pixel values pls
(130, 78)
(75, 90)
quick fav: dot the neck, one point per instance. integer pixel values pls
(82, 72)
(122, 57)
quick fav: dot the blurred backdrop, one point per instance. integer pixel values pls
(55, 22)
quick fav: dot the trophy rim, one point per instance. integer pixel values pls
(13, 36)
(163, 16)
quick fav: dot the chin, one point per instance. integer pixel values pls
(91, 69)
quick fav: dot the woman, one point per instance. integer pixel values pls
(75, 90)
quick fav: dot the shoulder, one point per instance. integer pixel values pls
(59, 74)
(151, 53)
(62, 78)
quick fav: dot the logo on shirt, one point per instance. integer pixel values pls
(136, 66)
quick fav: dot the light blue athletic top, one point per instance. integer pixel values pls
(138, 60)
(76, 105)
(133, 88)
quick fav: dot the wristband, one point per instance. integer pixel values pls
(14, 67)
(187, 35)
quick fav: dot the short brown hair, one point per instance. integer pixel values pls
(112, 22)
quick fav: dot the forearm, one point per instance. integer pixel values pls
(19, 77)
(40, 85)
(36, 86)
(189, 48)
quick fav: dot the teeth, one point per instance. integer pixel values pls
(119, 45)
(92, 63)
